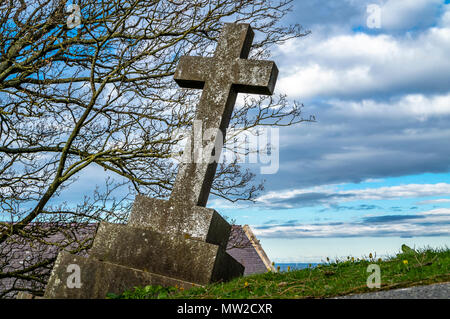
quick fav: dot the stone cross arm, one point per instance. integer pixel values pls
(247, 76)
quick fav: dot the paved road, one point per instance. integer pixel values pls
(436, 291)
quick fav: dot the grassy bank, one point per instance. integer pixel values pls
(335, 278)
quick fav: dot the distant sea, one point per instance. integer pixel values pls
(284, 266)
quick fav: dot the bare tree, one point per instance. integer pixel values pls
(91, 84)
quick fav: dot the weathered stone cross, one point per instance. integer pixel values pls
(221, 77)
(178, 242)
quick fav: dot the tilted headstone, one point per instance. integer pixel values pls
(179, 241)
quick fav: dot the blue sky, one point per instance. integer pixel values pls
(374, 171)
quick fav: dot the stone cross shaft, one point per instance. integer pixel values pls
(221, 77)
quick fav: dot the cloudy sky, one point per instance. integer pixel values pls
(373, 171)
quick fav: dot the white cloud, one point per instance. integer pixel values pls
(331, 194)
(434, 201)
(374, 180)
(416, 106)
(427, 223)
(359, 64)
(401, 191)
(445, 19)
(401, 14)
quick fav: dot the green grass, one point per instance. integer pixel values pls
(335, 278)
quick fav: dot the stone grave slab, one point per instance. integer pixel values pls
(170, 255)
(100, 278)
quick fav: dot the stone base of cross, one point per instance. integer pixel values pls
(178, 242)
(140, 254)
